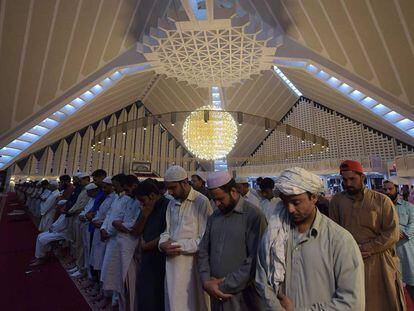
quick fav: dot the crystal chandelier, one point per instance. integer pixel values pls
(210, 133)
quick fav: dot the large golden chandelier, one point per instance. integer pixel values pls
(210, 133)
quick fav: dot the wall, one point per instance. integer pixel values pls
(75, 152)
(348, 139)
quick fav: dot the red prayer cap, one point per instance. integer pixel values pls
(351, 165)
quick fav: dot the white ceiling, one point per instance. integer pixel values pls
(52, 51)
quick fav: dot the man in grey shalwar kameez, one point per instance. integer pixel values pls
(228, 250)
(323, 267)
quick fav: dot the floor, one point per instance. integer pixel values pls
(23, 288)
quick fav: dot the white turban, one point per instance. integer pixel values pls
(175, 173)
(296, 180)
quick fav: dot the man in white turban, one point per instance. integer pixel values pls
(186, 220)
(323, 265)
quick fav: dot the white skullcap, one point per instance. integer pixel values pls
(108, 180)
(218, 179)
(296, 180)
(396, 180)
(242, 180)
(62, 202)
(175, 173)
(82, 175)
(200, 174)
(54, 183)
(91, 186)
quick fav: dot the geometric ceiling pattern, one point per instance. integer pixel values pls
(221, 54)
(52, 52)
(394, 118)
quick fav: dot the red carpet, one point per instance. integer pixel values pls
(47, 288)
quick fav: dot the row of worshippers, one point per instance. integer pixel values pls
(97, 219)
(297, 258)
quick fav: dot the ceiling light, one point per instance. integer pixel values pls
(210, 140)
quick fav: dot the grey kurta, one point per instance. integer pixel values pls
(228, 249)
(324, 270)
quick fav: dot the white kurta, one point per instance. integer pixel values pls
(47, 211)
(84, 229)
(98, 247)
(127, 244)
(268, 207)
(250, 197)
(111, 273)
(43, 198)
(59, 232)
(186, 223)
(31, 205)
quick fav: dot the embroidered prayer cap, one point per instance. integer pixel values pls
(242, 180)
(107, 180)
(296, 180)
(218, 179)
(62, 202)
(351, 165)
(175, 173)
(91, 186)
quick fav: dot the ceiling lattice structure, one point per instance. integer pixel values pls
(221, 53)
(72, 46)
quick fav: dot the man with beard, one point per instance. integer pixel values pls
(186, 220)
(371, 218)
(405, 246)
(305, 260)
(227, 255)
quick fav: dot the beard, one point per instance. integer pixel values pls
(393, 197)
(228, 208)
(353, 191)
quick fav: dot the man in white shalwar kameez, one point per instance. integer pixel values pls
(75, 225)
(99, 246)
(111, 273)
(47, 208)
(186, 220)
(127, 244)
(243, 187)
(58, 231)
(92, 191)
(43, 196)
(269, 202)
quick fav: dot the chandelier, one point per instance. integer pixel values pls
(210, 133)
